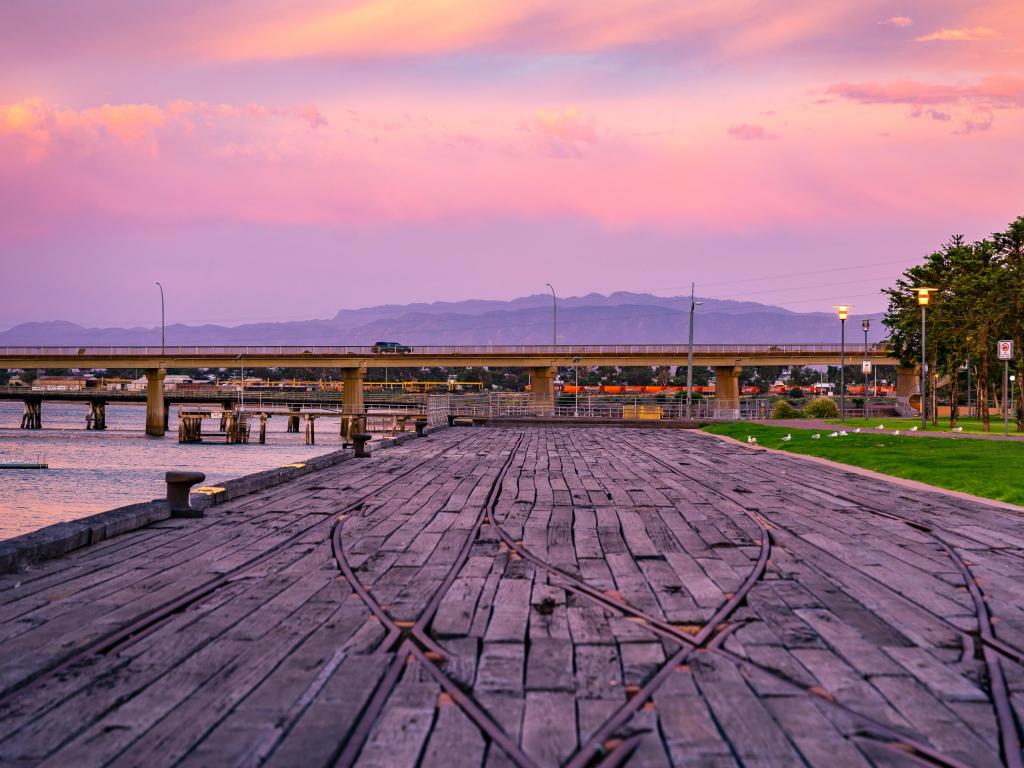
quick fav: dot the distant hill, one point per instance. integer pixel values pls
(621, 318)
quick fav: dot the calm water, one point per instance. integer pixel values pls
(95, 471)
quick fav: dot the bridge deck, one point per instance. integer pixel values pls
(531, 596)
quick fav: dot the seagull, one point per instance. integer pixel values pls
(834, 434)
(815, 437)
(856, 431)
(751, 440)
(880, 426)
(843, 433)
(913, 429)
(896, 432)
(958, 429)
(787, 438)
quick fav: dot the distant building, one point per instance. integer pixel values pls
(60, 383)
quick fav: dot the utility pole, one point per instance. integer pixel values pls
(162, 342)
(554, 316)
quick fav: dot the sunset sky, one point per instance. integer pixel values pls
(273, 160)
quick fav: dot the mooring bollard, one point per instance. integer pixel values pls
(360, 439)
(178, 485)
(421, 424)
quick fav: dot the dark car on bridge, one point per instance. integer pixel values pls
(390, 347)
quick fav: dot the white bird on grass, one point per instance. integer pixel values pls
(856, 431)
(896, 432)
(834, 434)
(751, 440)
(880, 426)
(815, 437)
(958, 429)
(843, 433)
(787, 438)
(913, 429)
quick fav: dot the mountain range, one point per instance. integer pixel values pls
(619, 318)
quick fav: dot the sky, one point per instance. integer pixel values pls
(282, 160)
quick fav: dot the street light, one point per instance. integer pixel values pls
(866, 324)
(689, 355)
(554, 316)
(923, 294)
(843, 310)
(241, 389)
(161, 319)
(576, 367)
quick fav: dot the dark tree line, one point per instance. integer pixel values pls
(979, 300)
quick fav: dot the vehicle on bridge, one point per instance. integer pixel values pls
(390, 347)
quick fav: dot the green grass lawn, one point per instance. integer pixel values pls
(969, 425)
(990, 468)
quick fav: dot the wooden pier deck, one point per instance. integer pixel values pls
(532, 597)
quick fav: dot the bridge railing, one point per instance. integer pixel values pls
(560, 350)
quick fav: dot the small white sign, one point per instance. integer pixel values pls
(1006, 349)
(865, 367)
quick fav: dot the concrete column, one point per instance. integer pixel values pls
(33, 416)
(908, 390)
(727, 391)
(352, 389)
(542, 389)
(155, 401)
(293, 421)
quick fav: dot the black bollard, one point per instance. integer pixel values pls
(178, 485)
(360, 439)
(421, 424)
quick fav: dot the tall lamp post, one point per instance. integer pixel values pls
(554, 316)
(576, 369)
(689, 354)
(843, 310)
(162, 354)
(923, 295)
(866, 324)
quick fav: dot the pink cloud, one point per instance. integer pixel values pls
(996, 91)
(418, 162)
(898, 21)
(748, 132)
(959, 35)
(564, 132)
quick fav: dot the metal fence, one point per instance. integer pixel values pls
(626, 407)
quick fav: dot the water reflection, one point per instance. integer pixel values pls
(94, 471)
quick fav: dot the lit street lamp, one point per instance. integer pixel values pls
(843, 310)
(689, 354)
(922, 299)
(554, 316)
(867, 364)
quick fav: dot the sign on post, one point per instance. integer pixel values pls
(865, 367)
(1006, 349)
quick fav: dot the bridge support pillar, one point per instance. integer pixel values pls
(156, 422)
(542, 389)
(293, 421)
(727, 391)
(97, 416)
(908, 390)
(352, 390)
(33, 415)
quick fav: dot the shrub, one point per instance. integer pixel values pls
(783, 410)
(821, 408)
(796, 392)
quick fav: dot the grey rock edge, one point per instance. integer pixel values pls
(58, 539)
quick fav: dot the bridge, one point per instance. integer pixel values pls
(543, 361)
